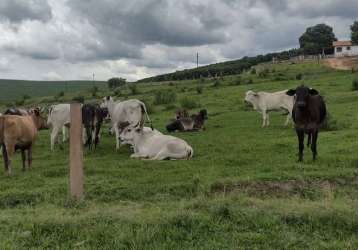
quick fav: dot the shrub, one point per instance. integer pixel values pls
(355, 84)
(117, 92)
(80, 99)
(60, 94)
(116, 82)
(253, 71)
(299, 76)
(171, 84)
(94, 91)
(199, 89)
(249, 81)
(164, 97)
(216, 83)
(25, 97)
(133, 89)
(19, 102)
(188, 103)
(183, 89)
(264, 73)
(170, 107)
(237, 81)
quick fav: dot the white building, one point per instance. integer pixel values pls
(345, 48)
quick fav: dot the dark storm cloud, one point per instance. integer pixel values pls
(19, 10)
(74, 38)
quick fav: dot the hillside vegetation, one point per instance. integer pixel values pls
(11, 90)
(244, 188)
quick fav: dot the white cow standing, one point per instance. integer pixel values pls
(152, 145)
(265, 102)
(58, 118)
(125, 113)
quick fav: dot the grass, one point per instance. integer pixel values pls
(243, 188)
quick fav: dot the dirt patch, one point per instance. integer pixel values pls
(343, 63)
(310, 189)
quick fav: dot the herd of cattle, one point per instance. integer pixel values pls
(19, 127)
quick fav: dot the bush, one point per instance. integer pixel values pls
(170, 107)
(94, 91)
(355, 84)
(264, 73)
(188, 103)
(237, 81)
(133, 89)
(299, 76)
(116, 82)
(19, 102)
(60, 94)
(25, 97)
(253, 71)
(164, 97)
(199, 89)
(216, 83)
(80, 99)
(249, 81)
(117, 92)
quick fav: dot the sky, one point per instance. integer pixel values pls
(134, 39)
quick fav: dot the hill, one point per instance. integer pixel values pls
(222, 69)
(243, 189)
(11, 90)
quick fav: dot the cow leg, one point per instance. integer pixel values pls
(287, 120)
(314, 144)
(10, 149)
(6, 158)
(116, 130)
(23, 157)
(267, 119)
(54, 134)
(264, 117)
(64, 134)
(29, 158)
(301, 136)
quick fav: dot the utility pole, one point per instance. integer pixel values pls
(197, 59)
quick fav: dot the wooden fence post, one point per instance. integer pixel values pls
(76, 154)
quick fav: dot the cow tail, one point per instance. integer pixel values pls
(49, 115)
(190, 152)
(144, 111)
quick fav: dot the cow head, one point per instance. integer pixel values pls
(250, 97)
(129, 134)
(40, 122)
(106, 102)
(302, 94)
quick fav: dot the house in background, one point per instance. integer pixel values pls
(345, 48)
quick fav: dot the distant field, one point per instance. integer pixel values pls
(11, 90)
(244, 188)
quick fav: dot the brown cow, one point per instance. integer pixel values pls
(309, 112)
(19, 132)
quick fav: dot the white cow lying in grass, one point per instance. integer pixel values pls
(264, 102)
(154, 145)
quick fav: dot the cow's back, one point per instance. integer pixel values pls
(59, 114)
(21, 129)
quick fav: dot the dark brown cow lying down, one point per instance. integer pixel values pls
(193, 123)
(19, 132)
(309, 112)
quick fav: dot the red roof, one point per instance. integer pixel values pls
(342, 43)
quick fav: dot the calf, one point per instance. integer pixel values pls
(19, 132)
(155, 146)
(309, 112)
(193, 123)
(265, 102)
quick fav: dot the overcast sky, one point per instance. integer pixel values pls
(62, 40)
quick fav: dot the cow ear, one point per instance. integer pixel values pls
(291, 92)
(313, 92)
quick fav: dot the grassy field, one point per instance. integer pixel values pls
(244, 188)
(12, 90)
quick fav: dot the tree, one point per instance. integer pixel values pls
(354, 34)
(316, 38)
(116, 82)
